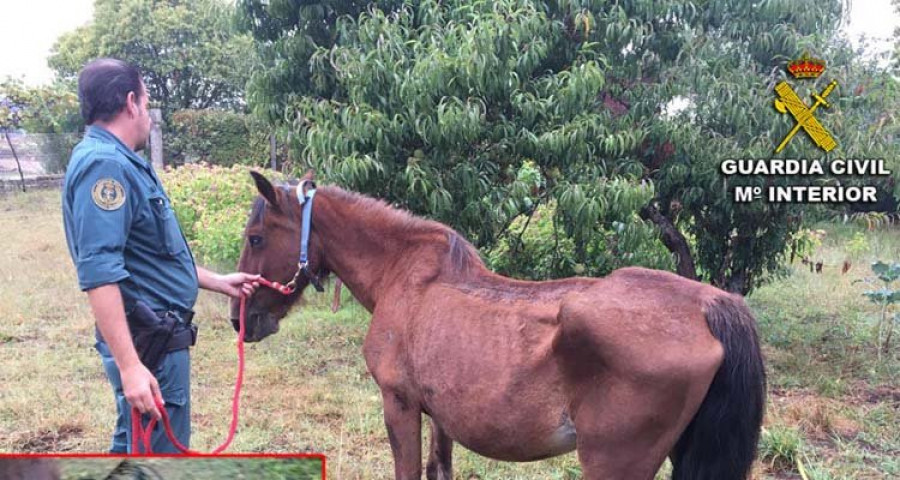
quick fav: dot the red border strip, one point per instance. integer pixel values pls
(173, 455)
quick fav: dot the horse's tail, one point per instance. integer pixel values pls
(720, 443)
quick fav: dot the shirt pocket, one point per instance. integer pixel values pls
(169, 238)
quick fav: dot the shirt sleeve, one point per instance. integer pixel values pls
(102, 215)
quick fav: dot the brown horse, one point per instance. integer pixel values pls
(627, 369)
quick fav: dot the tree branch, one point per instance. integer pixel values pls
(534, 209)
(18, 165)
(673, 239)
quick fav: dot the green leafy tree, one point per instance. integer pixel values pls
(730, 73)
(287, 34)
(51, 110)
(189, 51)
(439, 106)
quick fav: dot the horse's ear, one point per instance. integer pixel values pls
(308, 176)
(265, 188)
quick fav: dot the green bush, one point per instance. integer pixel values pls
(858, 245)
(212, 204)
(216, 137)
(537, 252)
(543, 251)
(538, 245)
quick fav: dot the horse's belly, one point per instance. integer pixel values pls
(517, 433)
(489, 378)
(523, 446)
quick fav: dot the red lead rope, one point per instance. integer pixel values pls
(140, 434)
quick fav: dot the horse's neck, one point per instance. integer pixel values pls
(362, 255)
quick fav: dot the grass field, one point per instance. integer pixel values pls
(832, 407)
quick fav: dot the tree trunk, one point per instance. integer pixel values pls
(287, 152)
(735, 279)
(15, 156)
(673, 239)
(737, 283)
(272, 150)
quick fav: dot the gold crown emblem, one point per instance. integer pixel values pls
(806, 67)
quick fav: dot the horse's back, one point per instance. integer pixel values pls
(645, 321)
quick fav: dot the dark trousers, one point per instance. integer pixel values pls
(174, 377)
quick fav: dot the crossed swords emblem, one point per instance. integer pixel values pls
(788, 101)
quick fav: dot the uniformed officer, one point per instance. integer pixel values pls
(129, 251)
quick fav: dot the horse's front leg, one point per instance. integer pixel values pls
(404, 428)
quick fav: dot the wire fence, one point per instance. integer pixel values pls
(36, 154)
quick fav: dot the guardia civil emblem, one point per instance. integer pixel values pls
(789, 102)
(108, 194)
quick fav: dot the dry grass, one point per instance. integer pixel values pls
(826, 386)
(307, 388)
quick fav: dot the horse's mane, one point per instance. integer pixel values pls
(462, 256)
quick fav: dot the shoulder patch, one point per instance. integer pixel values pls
(108, 194)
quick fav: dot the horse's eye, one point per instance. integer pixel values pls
(255, 240)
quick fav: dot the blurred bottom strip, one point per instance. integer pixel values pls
(168, 467)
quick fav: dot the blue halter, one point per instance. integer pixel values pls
(306, 201)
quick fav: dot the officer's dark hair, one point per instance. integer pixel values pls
(103, 87)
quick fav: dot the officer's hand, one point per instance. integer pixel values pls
(238, 284)
(141, 389)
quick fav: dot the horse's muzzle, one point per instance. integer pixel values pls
(257, 326)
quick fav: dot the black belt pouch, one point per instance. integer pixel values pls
(151, 334)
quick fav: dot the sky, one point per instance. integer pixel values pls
(29, 28)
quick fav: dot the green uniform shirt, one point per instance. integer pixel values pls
(120, 226)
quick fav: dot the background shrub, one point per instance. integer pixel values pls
(212, 204)
(216, 137)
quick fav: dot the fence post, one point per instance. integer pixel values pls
(156, 138)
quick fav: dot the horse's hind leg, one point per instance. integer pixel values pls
(625, 430)
(440, 459)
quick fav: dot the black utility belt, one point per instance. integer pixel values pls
(157, 333)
